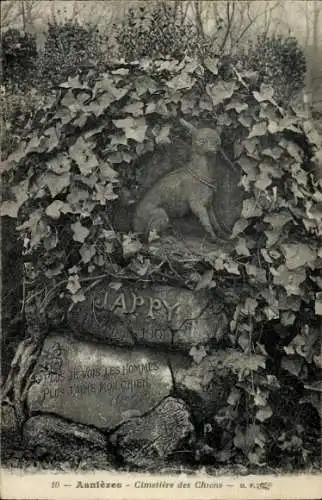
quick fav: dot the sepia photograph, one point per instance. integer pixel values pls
(161, 249)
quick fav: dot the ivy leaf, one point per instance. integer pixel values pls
(72, 83)
(263, 180)
(239, 227)
(287, 318)
(278, 220)
(257, 272)
(244, 342)
(238, 106)
(60, 164)
(252, 146)
(273, 152)
(246, 440)
(245, 120)
(15, 157)
(292, 364)
(10, 207)
(52, 134)
(266, 93)
(36, 227)
(239, 362)
(74, 270)
(51, 272)
(163, 135)
(212, 64)
(287, 303)
(293, 149)
(318, 304)
(220, 91)
(258, 130)
(232, 267)
(134, 128)
(76, 196)
(73, 284)
(271, 313)
(241, 247)
(290, 280)
(55, 208)
(249, 166)
(266, 256)
(64, 115)
(55, 183)
(108, 172)
(94, 132)
(297, 255)
(87, 252)
(206, 280)
(107, 93)
(144, 84)
(80, 232)
(250, 306)
(134, 108)
(78, 297)
(140, 268)
(181, 81)
(260, 398)
(81, 152)
(150, 108)
(131, 246)
(251, 208)
(104, 193)
(234, 396)
(198, 354)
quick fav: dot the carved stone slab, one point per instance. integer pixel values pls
(147, 440)
(94, 384)
(159, 315)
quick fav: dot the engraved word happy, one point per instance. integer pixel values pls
(132, 302)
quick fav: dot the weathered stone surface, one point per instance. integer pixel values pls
(51, 436)
(94, 384)
(147, 441)
(159, 315)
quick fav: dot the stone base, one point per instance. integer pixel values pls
(50, 437)
(147, 441)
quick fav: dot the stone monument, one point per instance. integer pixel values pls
(123, 378)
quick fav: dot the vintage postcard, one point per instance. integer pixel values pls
(161, 259)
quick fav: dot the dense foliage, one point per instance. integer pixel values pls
(18, 57)
(69, 49)
(159, 32)
(279, 61)
(29, 76)
(69, 169)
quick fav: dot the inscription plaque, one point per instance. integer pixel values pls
(97, 385)
(159, 315)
